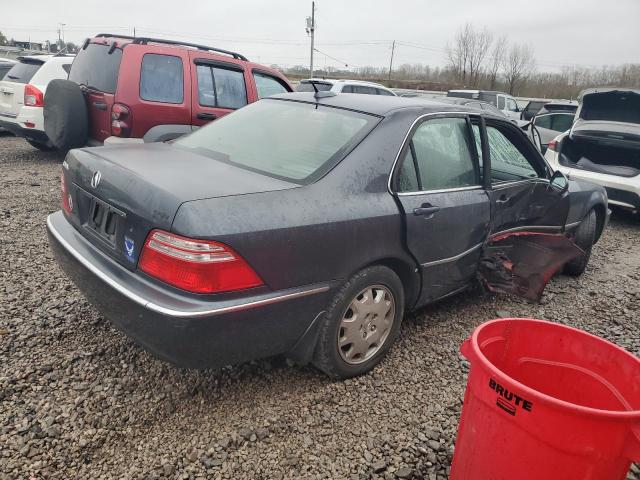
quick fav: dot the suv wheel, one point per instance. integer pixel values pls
(40, 146)
(584, 238)
(361, 323)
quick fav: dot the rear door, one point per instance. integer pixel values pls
(218, 88)
(439, 186)
(12, 86)
(521, 199)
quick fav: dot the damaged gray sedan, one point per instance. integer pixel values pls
(307, 224)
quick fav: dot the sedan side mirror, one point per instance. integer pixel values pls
(559, 182)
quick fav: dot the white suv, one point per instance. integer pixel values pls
(22, 92)
(343, 86)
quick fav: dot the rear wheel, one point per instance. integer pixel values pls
(40, 146)
(584, 237)
(361, 323)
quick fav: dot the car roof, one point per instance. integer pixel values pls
(590, 91)
(380, 105)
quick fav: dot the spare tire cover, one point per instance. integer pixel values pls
(66, 122)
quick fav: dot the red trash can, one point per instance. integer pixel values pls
(546, 402)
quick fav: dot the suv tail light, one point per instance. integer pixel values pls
(120, 120)
(65, 199)
(198, 266)
(33, 97)
(553, 144)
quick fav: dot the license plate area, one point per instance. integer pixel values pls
(104, 220)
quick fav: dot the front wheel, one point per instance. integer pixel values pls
(584, 237)
(361, 323)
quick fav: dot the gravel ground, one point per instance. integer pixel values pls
(79, 400)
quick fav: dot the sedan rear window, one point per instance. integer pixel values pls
(96, 68)
(293, 141)
(23, 72)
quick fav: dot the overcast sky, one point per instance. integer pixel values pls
(355, 32)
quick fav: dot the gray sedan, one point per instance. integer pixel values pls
(307, 224)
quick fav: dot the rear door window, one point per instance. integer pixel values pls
(96, 68)
(500, 102)
(266, 85)
(512, 106)
(161, 78)
(221, 87)
(440, 155)
(23, 72)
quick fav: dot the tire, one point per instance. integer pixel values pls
(584, 237)
(332, 350)
(66, 121)
(40, 146)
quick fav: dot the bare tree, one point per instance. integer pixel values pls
(518, 64)
(479, 44)
(497, 59)
(458, 53)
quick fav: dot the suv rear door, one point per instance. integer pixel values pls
(218, 88)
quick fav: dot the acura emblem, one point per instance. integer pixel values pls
(95, 180)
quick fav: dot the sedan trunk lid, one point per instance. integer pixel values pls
(119, 193)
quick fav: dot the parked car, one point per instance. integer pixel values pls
(559, 106)
(470, 102)
(5, 66)
(150, 90)
(531, 109)
(549, 125)
(22, 91)
(343, 86)
(306, 224)
(503, 101)
(603, 145)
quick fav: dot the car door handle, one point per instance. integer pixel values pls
(503, 200)
(100, 105)
(207, 116)
(426, 209)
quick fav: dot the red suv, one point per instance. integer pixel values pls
(150, 89)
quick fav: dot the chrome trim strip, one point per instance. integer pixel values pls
(413, 124)
(526, 228)
(572, 225)
(452, 259)
(443, 190)
(167, 311)
(500, 186)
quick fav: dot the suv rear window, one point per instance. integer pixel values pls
(293, 141)
(221, 87)
(96, 68)
(23, 72)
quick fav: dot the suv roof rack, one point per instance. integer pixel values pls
(145, 40)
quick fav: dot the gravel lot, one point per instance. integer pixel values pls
(79, 400)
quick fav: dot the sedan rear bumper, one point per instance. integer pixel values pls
(15, 127)
(188, 331)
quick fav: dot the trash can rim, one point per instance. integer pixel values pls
(611, 414)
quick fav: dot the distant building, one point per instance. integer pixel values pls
(26, 45)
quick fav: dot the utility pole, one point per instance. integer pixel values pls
(393, 47)
(311, 28)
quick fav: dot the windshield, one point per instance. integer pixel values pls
(293, 141)
(23, 72)
(96, 68)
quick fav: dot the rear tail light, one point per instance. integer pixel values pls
(33, 97)
(197, 266)
(65, 199)
(120, 120)
(553, 144)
